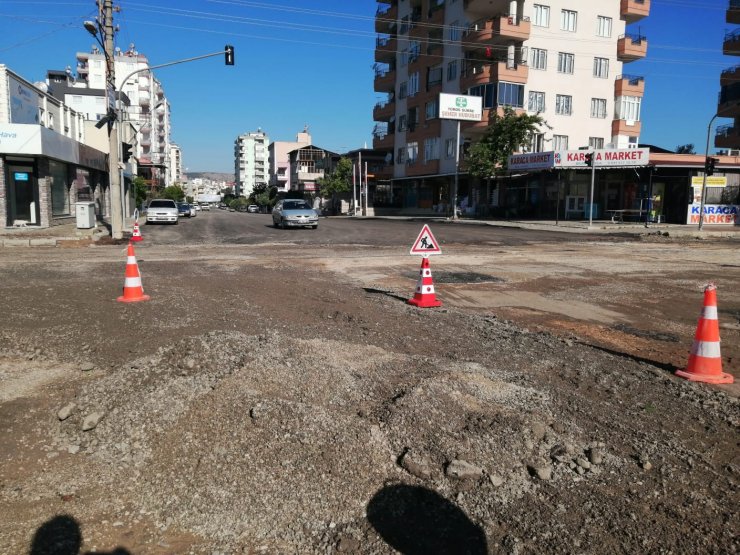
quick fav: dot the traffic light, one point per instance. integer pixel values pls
(126, 152)
(589, 158)
(229, 55)
(709, 165)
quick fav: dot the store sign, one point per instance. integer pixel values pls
(712, 181)
(24, 102)
(36, 140)
(532, 161)
(460, 107)
(603, 158)
(717, 214)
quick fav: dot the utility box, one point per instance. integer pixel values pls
(85, 212)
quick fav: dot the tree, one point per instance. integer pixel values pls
(504, 136)
(685, 149)
(338, 181)
(173, 192)
(141, 191)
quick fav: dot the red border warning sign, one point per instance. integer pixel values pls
(425, 243)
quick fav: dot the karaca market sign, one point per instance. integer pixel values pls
(603, 158)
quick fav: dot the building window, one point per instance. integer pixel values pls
(413, 114)
(59, 188)
(413, 83)
(603, 26)
(414, 49)
(563, 104)
(452, 70)
(434, 76)
(536, 101)
(403, 90)
(76, 100)
(596, 142)
(565, 62)
(541, 16)
(560, 142)
(510, 94)
(412, 152)
(431, 110)
(628, 108)
(401, 155)
(601, 67)
(568, 20)
(450, 148)
(402, 122)
(539, 59)
(598, 108)
(454, 31)
(537, 143)
(431, 149)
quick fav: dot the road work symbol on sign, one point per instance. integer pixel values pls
(425, 243)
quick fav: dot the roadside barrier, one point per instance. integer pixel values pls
(424, 296)
(705, 361)
(132, 288)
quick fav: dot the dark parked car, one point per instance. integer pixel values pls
(183, 209)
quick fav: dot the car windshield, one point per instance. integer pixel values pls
(296, 205)
(161, 204)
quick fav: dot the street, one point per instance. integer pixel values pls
(277, 394)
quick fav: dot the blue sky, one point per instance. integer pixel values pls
(310, 63)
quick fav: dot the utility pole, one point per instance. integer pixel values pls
(114, 175)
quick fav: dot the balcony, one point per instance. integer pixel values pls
(385, 19)
(727, 136)
(436, 14)
(502, 29)
(486, 7)
(385, 80)
(383, 142)
(478, 127)
(634, 10)
(733, 12)
(384, 111)
(729, 76)
(629, 85)
(419, 167)
(631, 47)
(623, 127)
(731, 44)
(728, 101)
(483, 73)
(385, 49)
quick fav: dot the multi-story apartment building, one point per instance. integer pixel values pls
(251, 161)
(176, 164)
(279, 160)
(728, 105)
(559, 58)
(148, 112)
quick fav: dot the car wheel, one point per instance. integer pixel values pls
(282, 224)
(274, 223)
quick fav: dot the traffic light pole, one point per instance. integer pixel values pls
(591, 198)
(704, 181)
(118, 198)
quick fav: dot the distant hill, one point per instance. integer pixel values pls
(213, 176)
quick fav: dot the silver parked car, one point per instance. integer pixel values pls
(162, 210)
(294, 213)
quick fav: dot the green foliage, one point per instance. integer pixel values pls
(189, 200)
(263, 199)
(173, 192)
(140, 190)
(685, 149)
(238, 201)
(338, 181)
(504, 136)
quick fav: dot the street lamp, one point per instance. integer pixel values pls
(704, 180)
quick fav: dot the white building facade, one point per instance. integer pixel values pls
(251, 162)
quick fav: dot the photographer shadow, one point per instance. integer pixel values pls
(418, 521)
(61, 535)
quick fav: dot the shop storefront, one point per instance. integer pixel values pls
(43, 174)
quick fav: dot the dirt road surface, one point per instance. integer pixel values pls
(283, 398)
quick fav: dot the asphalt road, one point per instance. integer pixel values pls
(223, 227)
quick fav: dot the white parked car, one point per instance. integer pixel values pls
(162, 210)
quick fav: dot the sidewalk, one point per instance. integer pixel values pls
(64, 234)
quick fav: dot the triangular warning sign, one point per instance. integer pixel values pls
(425, 243)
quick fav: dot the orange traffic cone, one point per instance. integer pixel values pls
(137, 232)
(705, 361)
(424, 296)
(132, 289)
